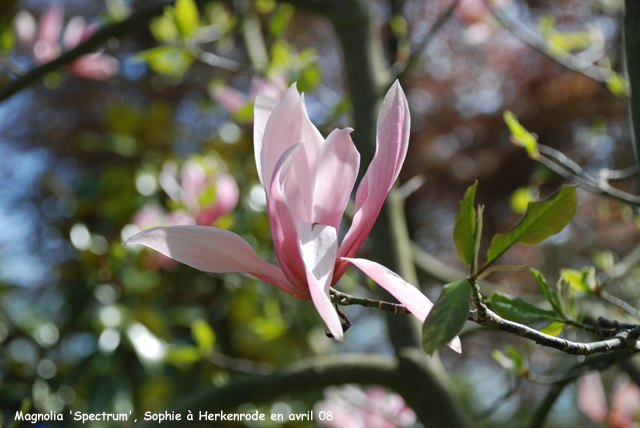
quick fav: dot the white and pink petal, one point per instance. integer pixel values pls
(213, 250)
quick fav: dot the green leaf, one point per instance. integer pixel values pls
(280, 19)
(582, 280)
(617, 84)
(447, 317)
(542, 219)
(464, 231)
(164, 29)
(521, 136)
(554, 328)
(168, 60)
(551, 295)
(203, 335)
(186, 14)
(520, 199)
(516, 309)
(513, 361)
(309, 78)
(183, 355)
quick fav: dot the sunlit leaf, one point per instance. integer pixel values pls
(398, 26)
(183, 355)
(511, 360)
(554, 328)
(203, 335)
(516, 309)
(168, 60)
(280, 19)
(542, 219)
(186, 13)
(617, 84)
(551, 295)
(447, 317)
(582, 280)
(164, 29)
(521, 136)
(520, 199)
(464, 231)
(309, 78)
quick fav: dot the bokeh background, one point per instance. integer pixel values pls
(161, 133)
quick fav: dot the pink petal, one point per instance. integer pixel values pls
(262, 110)
(391, 150)
(24, 25)
(338, 165)
(299, 187)
(591, 397)
(230, 98)
(193, 179)
(95, 66)
(277, 134)
(168, 179)
(73, 32)
(283, 226)
(227, 194)
(261, 85)
(213, 250)
(51, 25)
(407, 294)
(319, 246)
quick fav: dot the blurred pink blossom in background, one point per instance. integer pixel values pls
(233, 100)
(43, 42)
(625, 401)
(351, 407)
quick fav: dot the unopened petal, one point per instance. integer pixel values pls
(336, 174)
(319, 246)
(277, 135)
(51, 25)
(73, 32)
(212, 250)
(262, 110)
(391, 149)
(283, 226)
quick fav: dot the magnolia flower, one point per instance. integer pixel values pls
(43, 42)
(308, 181)
(233, 100)
(351, 407)
(197, 177)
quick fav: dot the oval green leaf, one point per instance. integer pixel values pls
(516, 309)
(186, 13)
(542, 220)
(447, 317)
(464, 232)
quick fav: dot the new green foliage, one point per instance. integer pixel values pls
(516, 309)
(464, 231)
(522, 137)
(447, 317)
(542, 219)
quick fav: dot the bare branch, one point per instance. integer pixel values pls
(401, 70)
(538, 42)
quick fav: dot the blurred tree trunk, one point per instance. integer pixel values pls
(632, 63)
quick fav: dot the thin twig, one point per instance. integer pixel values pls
(227, 64)
(570, 170)
(100, 37)
(619, 303)
(401, 70)
(541, 44)
(500, 401)
(344, 299)
(496, 322)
